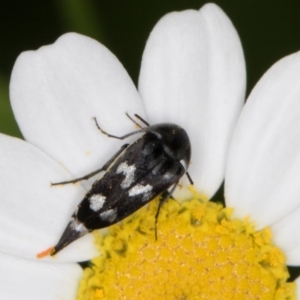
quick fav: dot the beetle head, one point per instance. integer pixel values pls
(175, 141)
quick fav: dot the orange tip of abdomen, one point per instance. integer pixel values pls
(45, 253)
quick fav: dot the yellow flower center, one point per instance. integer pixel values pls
(200, 253)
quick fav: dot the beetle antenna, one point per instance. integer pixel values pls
(135, 122)
(142, 120)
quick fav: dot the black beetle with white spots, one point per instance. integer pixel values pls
(135, 175)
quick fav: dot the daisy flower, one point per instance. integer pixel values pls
(192, 74)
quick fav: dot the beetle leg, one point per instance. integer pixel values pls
(104, 168)
(118, 137)
(189, 178)
(161, 202)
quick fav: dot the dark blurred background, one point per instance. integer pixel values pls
(269, 30)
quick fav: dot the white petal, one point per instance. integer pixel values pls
(263, 170)
(27, 279)
(193, 74)
(33, 214)
(57, 90)
(286, 236)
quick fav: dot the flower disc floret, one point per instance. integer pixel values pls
(201, 253)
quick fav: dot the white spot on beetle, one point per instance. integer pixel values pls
(78, 226)
(128, 171)
(168, 175)
(96, 202)
(147, 196)
(157, 168)
(148, 149)
(109, 215)
(140, 189)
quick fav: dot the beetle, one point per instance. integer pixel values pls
(135, 175)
